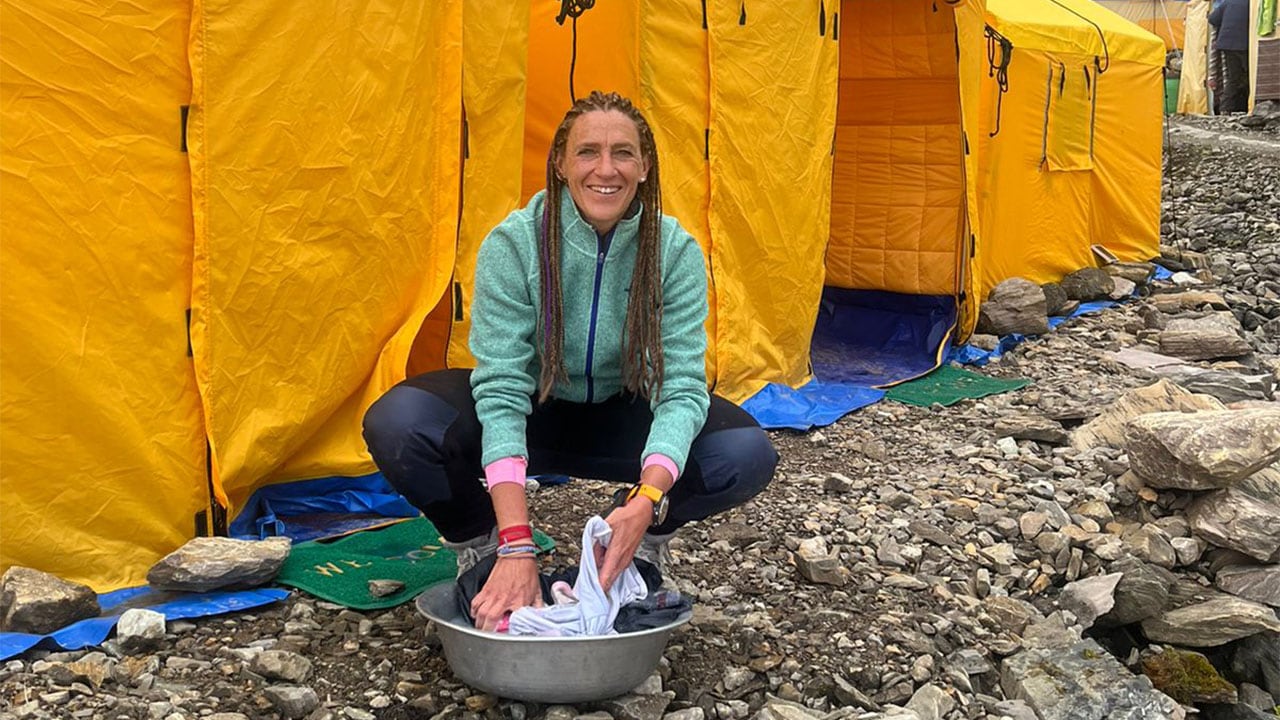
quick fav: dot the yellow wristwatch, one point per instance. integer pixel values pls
(656, 496)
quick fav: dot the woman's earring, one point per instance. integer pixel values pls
(643, 179)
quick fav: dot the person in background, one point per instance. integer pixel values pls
(588, 332)
(1231, 19)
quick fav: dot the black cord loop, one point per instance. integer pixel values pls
(998, 68)
(573, 9)
(1101, 67)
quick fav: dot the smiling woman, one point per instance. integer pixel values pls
(602, 165)
(588, 332)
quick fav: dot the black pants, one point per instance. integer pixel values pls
(425, 437)
(1235, 81)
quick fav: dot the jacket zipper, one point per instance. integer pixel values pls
(602, 245)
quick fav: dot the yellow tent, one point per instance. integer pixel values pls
(229, 227)
(1163, 18)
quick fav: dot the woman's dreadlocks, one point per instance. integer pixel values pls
(642, 365)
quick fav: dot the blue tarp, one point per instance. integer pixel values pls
(816, 404)
(310, 509)
(174, 606)
(863, 340)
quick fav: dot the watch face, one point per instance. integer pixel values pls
(660, 511)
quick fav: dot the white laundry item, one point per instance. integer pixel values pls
(595, 609)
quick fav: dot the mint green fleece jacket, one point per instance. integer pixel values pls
(504, 323)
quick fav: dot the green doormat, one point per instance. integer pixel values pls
(340, 570)
(949, 385)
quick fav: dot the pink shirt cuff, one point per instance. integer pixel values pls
(506, 470)
(662, 461)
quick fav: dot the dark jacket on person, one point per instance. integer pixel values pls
(1231, 18)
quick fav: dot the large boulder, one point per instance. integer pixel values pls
(1202, 451)
(1227, 386)
(211, 563)
(1239, 521)
(1017, 306)
(1256, 660)
(1259, 583)
(1108, 428)
(1264, 485)
(39, 603)
(1082, 682)
(1211, 623)
(1205, 338)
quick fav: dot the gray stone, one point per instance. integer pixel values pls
(931, 702)
(775, 708)
(1082, 682)
(140, 630)
(737, 534)
(1016, 305)
(818, 565)
(1010, 614)
(1176, 303)
(1090, 598)
(291, 700)
(970, 661)
(385, 588)
(1148, 362)
(1087, 284)
(693, 713)
(1030, 523)
(1206, 338)
(638, 707)
(1256, 698)
(1259, 583)
(652, 685)
(1235, 520)
(1107, 429)
(1050, 632)
(1055, 298)
(1229, 387)
(931, 532)
(1187, 549)
(210, 563)
(1096, 510)
(37, 602)
(1149, 543)
(848, 694)
(889, 553)
(281, 665)
(1032, 427)
(1211, 623)
(1138, 273)
(1015, 710)
(1143, 591)
(1203, 450)
(1264, 485)
(1256, 660)
(1124, 289)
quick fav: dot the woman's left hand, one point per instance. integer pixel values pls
(629, 524)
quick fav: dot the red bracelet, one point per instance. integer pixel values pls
(507, 536)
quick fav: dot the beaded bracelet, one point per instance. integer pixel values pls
(517, 550)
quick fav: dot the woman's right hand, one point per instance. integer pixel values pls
(513, 584)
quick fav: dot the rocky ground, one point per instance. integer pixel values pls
(935, 547)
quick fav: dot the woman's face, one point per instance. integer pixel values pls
(602, 166)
